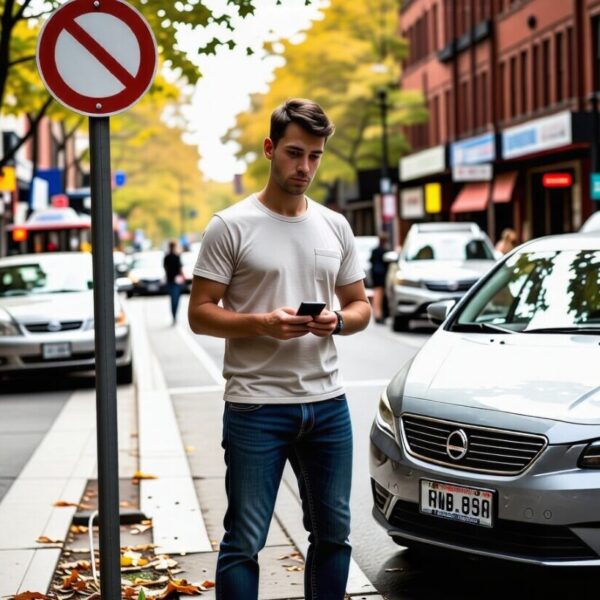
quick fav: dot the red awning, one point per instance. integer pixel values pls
(472, 198)
(504, 185)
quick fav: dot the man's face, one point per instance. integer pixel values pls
(295, 159)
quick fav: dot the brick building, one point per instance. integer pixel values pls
(507, 83)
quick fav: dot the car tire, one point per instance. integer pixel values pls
(400, 323)
(129, 294)
(125, 374)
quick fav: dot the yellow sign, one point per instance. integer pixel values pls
(433, 198)
(8, 179)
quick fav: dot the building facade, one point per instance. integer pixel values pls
(510, 137)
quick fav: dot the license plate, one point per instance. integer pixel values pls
(62, 350)
(153, 287)
(458, 503)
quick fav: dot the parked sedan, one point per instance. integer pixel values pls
(47, 316)
(438, 261)
(147, 273)
(488, 441)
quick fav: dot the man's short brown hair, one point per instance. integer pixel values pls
(305, 113)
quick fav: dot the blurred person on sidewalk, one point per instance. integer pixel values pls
(508, 240)
(174, 275)
(284, 398)
(379, 270)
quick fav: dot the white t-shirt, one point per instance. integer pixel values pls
(269, 261)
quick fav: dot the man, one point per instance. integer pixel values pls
(174, 275)
(284, 398)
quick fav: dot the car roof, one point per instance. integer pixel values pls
(566, 241)
(446, 227)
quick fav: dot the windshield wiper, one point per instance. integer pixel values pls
(580, 330)
(479, 328)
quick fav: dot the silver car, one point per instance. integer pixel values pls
(147, 273)
(438, 261)
(47, 316)
(488, 440)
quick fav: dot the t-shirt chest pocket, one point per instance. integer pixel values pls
(327, 264)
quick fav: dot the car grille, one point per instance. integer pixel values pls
(44, 327)
(489, 450)
(447, 286)
(529, 540)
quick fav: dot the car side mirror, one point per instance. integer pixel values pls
(438, 311)
(390, 257)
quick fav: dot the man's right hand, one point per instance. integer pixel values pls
(283, 324)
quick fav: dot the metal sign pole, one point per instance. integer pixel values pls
(106, 375)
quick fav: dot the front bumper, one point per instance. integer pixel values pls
(24, 353)
(413, 302)
(547, 516)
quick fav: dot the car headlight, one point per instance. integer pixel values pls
(120, 318)
(590, 457)
(385, 416)
(408, 282)
(8, 328)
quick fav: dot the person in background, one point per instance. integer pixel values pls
(174, 274)
(508, 240)
(379, 271)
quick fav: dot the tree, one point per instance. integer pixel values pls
(21, 91)
(345, 58)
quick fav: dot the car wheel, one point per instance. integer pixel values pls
(129, 294)
(400, 323)
(125, 374)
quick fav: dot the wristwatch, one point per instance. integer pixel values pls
(340, 323)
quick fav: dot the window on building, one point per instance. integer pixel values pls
(484, 10)
(464, 107)
(535, 70)
(546, 73)
(570, 83)
(596, 52)
(448, 115)
(448, 21)
(559, 66)
(485, 109)
(434, 28)
(513, 87)
(435, 121)
(524, 82)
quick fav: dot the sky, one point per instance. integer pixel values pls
(230, 76)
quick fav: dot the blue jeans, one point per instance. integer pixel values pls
(174, 291)
(258, 439)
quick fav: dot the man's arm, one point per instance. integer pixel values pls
(355, 309)
(207, 317)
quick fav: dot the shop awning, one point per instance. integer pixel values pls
(472, 198)
(504, 185)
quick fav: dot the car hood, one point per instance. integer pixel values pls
(549, 376)
(74, 306)
(148, 273)
(445, 270)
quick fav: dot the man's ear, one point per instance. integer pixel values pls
(268, 148)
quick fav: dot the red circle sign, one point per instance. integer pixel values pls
(97, 57)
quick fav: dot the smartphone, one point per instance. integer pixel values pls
(310, 309)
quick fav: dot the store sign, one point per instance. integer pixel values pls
(472, 172)
(557, 180)
(536, 136)
(473, 151)
(388, 207)
(433, 198)
(411, 203)
(595, 186)
(423, 163)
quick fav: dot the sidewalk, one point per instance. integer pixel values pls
(175, 436)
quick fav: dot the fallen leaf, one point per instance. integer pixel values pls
(207, 585)
(30, 596)
(140, 581)
(179, 586)
(64, 503)
(78, 529)
(140, 475)
(139, 528)
(70, 581)
(44, 539)
(190, 449)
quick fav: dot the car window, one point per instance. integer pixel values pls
(538, 290)
(447, 247)
(36, 278)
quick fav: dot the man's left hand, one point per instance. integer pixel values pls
(323, 325)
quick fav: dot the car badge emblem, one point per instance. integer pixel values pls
(453, 285)
(457, 444)
(54, 326)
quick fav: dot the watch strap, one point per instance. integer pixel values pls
(340, 323)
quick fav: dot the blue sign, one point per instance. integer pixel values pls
(120, 178)
(54, 177)
(474, 151)
(595, 186)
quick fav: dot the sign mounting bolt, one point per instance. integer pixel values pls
(98, 106)
(97, 4)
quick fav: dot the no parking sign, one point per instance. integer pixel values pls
(97, 57)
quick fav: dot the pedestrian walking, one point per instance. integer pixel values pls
(174, 275)
(379, 271)
(263, 257)
(508, 240)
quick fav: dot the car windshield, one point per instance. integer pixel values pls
(447, 247)
(553, 292)
(148, 261)
(40, 278)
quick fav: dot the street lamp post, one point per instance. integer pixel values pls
(385, 184)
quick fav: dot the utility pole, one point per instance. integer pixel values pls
(385, 184)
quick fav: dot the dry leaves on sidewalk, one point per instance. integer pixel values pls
(29, 596)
